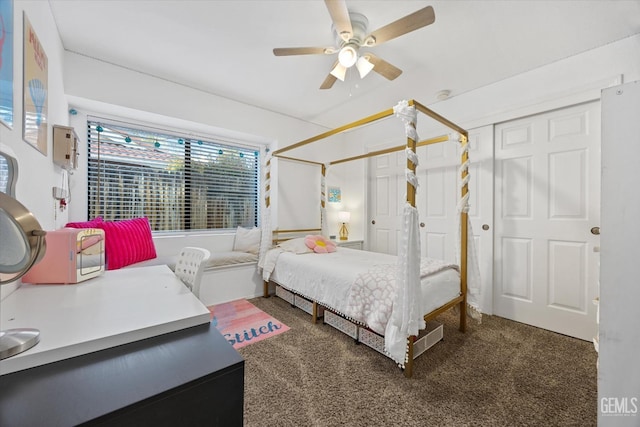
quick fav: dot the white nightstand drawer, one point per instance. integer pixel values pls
(351, 244)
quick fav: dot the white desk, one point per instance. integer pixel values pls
(119, 307)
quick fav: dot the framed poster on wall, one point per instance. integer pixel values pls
(6, 63)
(35, 91)
(335, 195)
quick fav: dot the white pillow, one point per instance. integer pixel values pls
(297, 246)
(247, 240)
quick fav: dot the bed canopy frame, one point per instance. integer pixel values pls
(407, 112)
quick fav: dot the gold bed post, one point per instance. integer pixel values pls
(411, 199)
(267, 203)
(464, 141)
(322, 191)
(323, 171)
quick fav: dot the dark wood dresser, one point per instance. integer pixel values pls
(191, 377)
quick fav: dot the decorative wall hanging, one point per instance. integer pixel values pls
(335, 195)
(35, 91)
(6, 63)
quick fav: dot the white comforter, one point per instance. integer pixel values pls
(360, 285)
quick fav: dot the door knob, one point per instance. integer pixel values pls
(485, 227)
(422, 224)
(595, 231)
(373, 221)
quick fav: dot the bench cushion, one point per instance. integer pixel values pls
(217, 259)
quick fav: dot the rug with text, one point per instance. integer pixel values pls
(242, 323)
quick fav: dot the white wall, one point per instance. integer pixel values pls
(98, 87)
(99, 81)
(348, 176)
(298, 198)
(619, 372)
(36, 172)
(552, 86)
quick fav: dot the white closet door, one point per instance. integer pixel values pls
(438, 196)
(481, 208)
(547, 199)
(436, 199)
(386, 186)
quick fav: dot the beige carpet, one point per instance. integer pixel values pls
(500, 373)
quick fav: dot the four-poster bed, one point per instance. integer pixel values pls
(411, 289)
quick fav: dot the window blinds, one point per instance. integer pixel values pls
(178, 182)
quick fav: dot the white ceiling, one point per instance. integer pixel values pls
(225, 47)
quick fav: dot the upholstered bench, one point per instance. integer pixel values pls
(227, 276)
(230, 273)
(216, 260)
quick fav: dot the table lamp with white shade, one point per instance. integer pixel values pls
(343, 218)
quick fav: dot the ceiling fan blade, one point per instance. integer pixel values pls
(328, 82)
(412, 22)
(340, 17)
(287, 51)
(382, 67)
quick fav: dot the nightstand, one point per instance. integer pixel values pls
(351, 244)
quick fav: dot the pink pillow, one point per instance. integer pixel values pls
(320, 244)
(127, 242)
(93, 223)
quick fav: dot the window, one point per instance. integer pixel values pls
(178, 182)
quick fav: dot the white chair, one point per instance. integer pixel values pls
(189, 267)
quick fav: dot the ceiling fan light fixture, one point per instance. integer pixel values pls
(351, 33)
(370, 41)
(339, 72)
(364, 66)
(345, 35)
(348, 56)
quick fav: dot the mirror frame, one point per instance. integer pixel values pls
(12, 174)
(30, 228)
(15, 341)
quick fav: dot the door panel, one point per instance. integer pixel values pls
(436, 199)
(481, 208)
(386, 178)
(547, 193)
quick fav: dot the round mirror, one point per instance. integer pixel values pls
(23, 245)
(14, 253)
(23, 242)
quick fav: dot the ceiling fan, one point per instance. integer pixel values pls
(352, 34)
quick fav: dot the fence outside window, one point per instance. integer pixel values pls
(179, 183)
